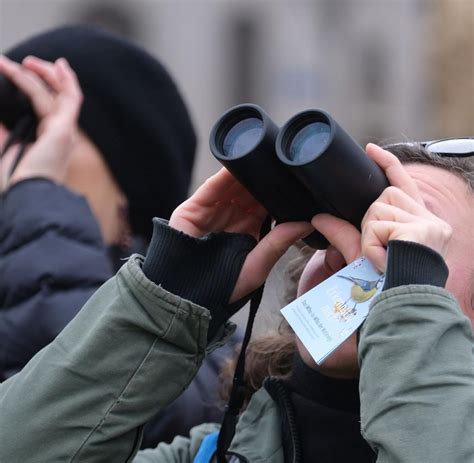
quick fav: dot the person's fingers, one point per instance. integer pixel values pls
(69, 81)
(321, 266)
(383, 211)
(334, 260)
(67, 92)
(58, 75)
(45, 69)
(394, 170)
(248, 223)
(29, 84)
(266, 254)
(315, 271)
(238, 194)
(256, 212)
(340, 233)
(213, 189)
(376, 235)
(229, 217)
(397, 197)
(221, 190)
(69, 97)
(197, 220)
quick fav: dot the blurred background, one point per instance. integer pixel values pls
(387, 70)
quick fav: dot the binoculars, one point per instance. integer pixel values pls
(14, 105)
(310, 165)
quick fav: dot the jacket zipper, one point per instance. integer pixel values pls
(291, 441)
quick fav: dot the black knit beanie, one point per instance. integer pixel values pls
(132, 111)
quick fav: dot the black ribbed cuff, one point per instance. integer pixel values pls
(411, 263)
(202, 270)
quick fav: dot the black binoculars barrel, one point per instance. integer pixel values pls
(309, 166)
(243, 140)
(338, 170)
(14, 105)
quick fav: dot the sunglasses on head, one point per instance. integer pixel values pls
(448, 147)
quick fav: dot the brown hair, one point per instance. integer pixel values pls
(414, 153)
(272, 354)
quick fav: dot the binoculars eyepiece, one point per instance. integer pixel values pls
(309, 166)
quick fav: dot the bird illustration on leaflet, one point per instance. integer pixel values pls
(361, 291)
(325, 316)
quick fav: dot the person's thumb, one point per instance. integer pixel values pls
(265, 255)
(340, 233)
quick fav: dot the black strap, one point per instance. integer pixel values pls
(237, 394)
(24, 133)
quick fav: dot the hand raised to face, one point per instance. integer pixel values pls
(223, 204)
(56, 97)
(398, 214)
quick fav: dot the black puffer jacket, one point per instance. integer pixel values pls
(52, 259)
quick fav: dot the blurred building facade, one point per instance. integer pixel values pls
(453, 66)
(385, 69)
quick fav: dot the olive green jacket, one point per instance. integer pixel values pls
(134, 347)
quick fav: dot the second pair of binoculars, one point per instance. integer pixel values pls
(309, 166)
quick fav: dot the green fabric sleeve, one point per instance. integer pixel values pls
(130, 351)
(417, 377)
(181, 450)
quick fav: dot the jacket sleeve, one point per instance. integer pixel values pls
(199, 403)
(129, 352)
(181, 450)
(52, 259)
(417, 377)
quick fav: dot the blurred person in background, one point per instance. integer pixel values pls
(66, 220)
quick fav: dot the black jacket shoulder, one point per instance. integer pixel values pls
(52, 258)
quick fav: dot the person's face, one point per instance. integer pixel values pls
(446, 196)
(89, 175)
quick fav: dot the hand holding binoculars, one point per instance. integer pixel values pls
(309, 166)
(14, 105)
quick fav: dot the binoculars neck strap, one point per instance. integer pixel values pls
(237, 395)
